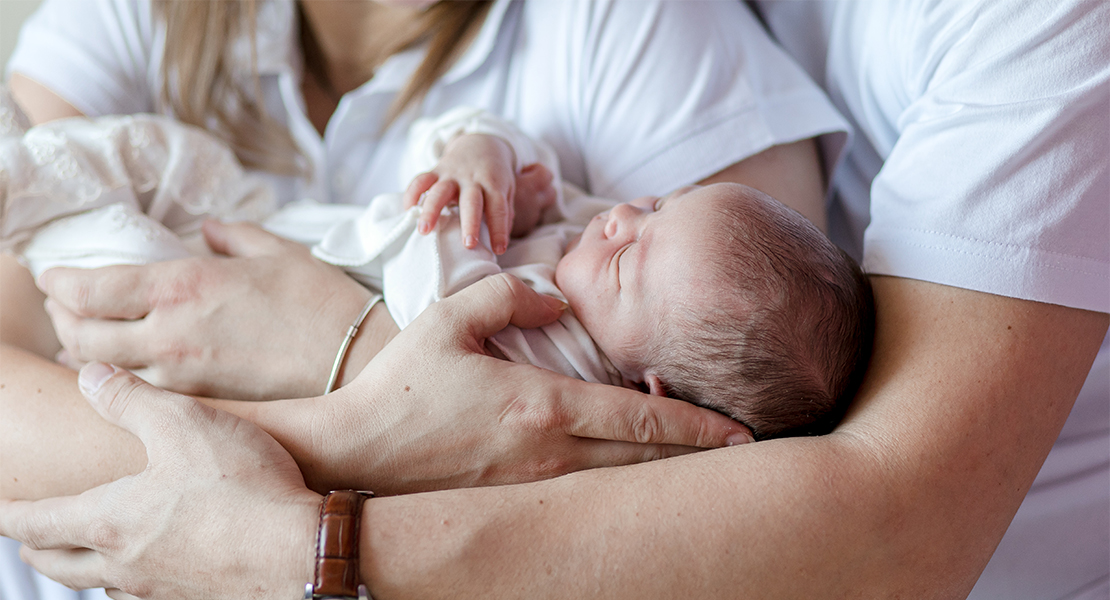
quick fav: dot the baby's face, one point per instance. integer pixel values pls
(633, 265)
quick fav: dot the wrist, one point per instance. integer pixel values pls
(298, 521)
(337, 569)
(375, 333)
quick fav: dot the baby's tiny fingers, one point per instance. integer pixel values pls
(470, 215)
(441, 194)
(420, 184)
(499, 218)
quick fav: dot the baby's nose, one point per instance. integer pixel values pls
(621, 221)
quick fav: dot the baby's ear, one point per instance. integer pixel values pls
(650, 385)
(655, 385)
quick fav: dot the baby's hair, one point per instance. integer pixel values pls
(784, 345)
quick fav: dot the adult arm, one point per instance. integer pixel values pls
(39, 103)
(405, 428)
(907, 498)
(789, 173)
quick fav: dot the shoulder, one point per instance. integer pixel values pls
(114, 21)
(95, 54)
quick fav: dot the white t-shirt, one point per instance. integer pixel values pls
(981, 161)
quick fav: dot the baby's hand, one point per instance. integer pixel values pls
(476, 171)
(535, 193)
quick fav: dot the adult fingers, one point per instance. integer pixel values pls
(116, 292)
(52, 523)
(471, 201)
(612, 413)
(420, 184)
(241, 239)
(441, 194)
(94, 339)
(77, 569)
(64, 358)
(487, 306)
(593, 454)
(155, 416)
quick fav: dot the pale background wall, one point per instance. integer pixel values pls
(12, 15)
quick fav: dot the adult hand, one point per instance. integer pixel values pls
(433, 410)
(220, 511)
(262, 322)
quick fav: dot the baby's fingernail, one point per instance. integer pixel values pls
(424, 228)
(471, 241)
(500, 248)
(740, 437)
(93, 376)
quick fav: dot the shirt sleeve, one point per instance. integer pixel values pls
(997, 179)
(662, 94)
(95, 54)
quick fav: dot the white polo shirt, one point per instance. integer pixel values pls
(982, 161)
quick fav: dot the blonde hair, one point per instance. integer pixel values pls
(201, 87)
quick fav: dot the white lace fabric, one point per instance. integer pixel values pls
(112, 190)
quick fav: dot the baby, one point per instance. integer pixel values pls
(717, 295)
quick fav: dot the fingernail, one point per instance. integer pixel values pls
(740, 437)
(499, 249)
(555, 303)
(471, 241)
(424, 228)
(93, 376)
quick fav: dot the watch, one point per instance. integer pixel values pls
(337, 568)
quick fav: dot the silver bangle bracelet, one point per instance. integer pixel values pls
(352, 331)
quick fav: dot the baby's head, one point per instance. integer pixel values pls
(722, 296)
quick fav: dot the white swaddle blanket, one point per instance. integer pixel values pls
(134, 190)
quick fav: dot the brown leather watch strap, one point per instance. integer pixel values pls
(337, 568)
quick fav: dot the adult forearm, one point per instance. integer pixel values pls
(680, 528)
(51, 442)
(908, 498)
